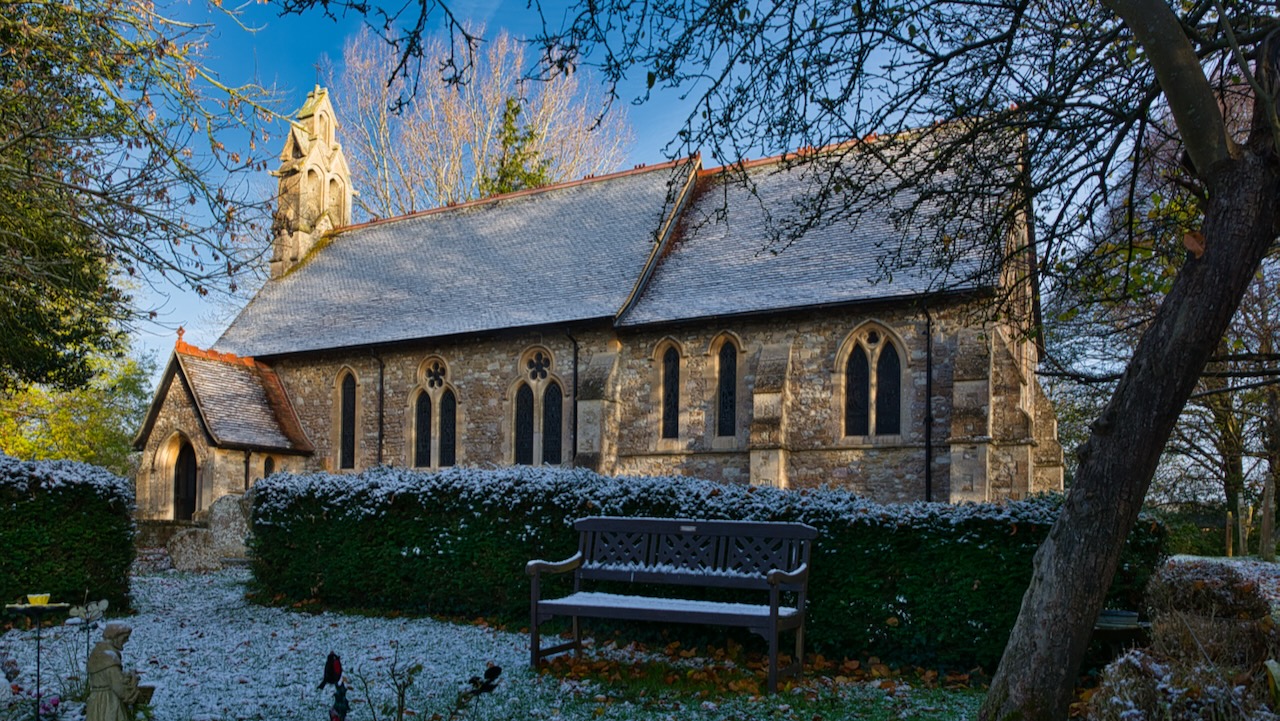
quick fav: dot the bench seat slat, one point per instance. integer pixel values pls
(635, 573)
(641, 608)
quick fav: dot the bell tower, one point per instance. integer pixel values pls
(315, 184)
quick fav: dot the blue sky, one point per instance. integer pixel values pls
(284, 53)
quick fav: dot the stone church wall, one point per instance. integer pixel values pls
(789, 423)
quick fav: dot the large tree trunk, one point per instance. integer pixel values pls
(1074, 566)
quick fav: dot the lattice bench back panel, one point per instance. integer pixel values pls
(732, 554)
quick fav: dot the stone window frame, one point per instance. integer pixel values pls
(433, 380)
(657, 394)
(856, 338)
(713, 372)
(335, 460)
(537, 384)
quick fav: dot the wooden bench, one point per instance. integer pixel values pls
(771, 558)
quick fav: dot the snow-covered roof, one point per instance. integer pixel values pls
(743, 245)
(566, 253)
(240, 402)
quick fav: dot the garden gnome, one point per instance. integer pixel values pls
(110, 686)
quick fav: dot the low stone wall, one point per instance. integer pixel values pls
(156, 534)
(218, 540)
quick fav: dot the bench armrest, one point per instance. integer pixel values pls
(535, 567)
(800, 575)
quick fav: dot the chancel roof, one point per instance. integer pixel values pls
(241, 403)
(743, 246)
(561, 254)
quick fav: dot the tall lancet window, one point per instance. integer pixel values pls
(727, 391)
(347, 423)
(524, 425)
(671, 393)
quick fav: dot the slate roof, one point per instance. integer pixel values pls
(722, 258)
(241, 403)
(560, 254)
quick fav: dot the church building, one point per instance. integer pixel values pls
(633, 323)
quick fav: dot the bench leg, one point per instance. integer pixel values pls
(577, 638)
(800, 651)
(772, 686)
(535, 643)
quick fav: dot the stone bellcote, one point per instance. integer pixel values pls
(315, 184)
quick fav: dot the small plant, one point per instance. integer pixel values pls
(477, 686)
(400, 676)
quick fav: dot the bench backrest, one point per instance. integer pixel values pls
(732, 554)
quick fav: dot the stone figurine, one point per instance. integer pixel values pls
(111, 688)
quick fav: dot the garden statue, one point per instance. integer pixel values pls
(110, 686)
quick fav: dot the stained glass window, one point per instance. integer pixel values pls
(422, 431)
(857, 401)
(448, 428)
(347, 440)
(727, 393)
(671, 394)
(524, 425)
(888, 392)
(552, 422)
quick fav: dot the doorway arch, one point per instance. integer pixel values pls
(185, 487)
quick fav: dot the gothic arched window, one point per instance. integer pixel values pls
(448, 453)
(422, 431)
(888, 392)
(727, 391)
(552, 421)
(434, 436)
(538, 420)
(671, 393)
(347, 423)
(873, 386)
(524, 425)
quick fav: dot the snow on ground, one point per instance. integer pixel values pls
(214, 656)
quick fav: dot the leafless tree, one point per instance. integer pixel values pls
(432, 149)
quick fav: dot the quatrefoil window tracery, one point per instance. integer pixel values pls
(538, 366)
(435, 375)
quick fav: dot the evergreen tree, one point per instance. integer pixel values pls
(517, 166)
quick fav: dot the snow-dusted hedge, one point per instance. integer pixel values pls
(66, 529)
(920, 583)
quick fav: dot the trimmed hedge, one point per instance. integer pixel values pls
(917, 583)
(66, 528)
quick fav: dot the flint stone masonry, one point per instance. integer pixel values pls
(193, 549)
(229, 526)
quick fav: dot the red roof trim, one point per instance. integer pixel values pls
(185, 348)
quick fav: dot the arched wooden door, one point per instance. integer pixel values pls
(184, 483)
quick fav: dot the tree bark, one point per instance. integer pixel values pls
(1074, 566)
